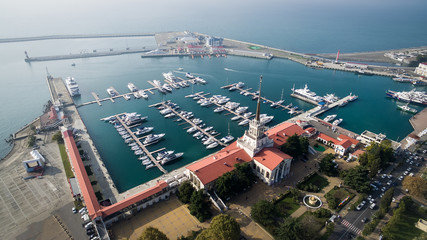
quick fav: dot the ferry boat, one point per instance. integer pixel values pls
(306, 93)
(132, 87)
(189, 76)
(144, 130)
(72, 86)
(337, 122)
(411, 96)
(330, 117)
(406, 108)
(153, 138)
(171, 157)
(143, 94)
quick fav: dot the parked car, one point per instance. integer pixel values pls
(372, 206)
(364, 220)
(74, 210)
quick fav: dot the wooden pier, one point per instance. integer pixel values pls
(194, 125)
(96, 98)
(142, 146)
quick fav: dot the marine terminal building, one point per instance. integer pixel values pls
(258, 147)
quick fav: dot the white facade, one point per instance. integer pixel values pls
(254, 139)
(421, 69)
(367, 137)
(272, 176)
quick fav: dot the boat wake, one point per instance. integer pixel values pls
(230, 70)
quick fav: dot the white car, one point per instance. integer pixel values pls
(400, 178)
(405, 173)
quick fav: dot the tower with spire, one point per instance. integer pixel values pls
(254, 139)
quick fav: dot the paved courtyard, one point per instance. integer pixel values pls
(171, 217)
(23, 202)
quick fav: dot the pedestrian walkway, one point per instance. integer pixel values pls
(351, 227)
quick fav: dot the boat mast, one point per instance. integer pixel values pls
(281, 97)
(259, 100)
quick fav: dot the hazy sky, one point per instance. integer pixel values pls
(39, 17)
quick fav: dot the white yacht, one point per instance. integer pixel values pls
(169, 76)
(72, 86)
(144, 130)
(132, 87)
(237, 117)
(143, 94)
(111, 92)
(209, 141)
(167, 87)
(336, 122)
(227, 139)
(162, 154)
(243, 122)
(212, 145)
(266, 119)
(330, 117)
(126, 96)
(136, 95)
(218, 109)
(240, 110)
(305, 92)
(188, 75)
(240, 84)
(170, 157)
(192, 129)
(200, 80)
(153, 138)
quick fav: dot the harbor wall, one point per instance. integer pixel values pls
(74, 36)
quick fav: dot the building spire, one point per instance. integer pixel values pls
(259, 100)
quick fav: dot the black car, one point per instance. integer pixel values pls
(90, 231)
(351, 236)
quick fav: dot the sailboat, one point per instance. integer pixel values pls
(227, 138)
(275, 104)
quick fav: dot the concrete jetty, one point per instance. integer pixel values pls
(142, 146)
(86, 55)
(74, 36)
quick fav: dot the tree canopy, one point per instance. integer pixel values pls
(263, 212)
(327, 166)
(295, 146)
(151, 233)
(377, 156)
(185, 192)
(290, 229)
(233, 182)
(200, 206)
(417, 186)
(357, 178)
(223, 227)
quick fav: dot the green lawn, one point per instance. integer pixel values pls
(315, 180)
(286, 207)
(254, 48)
(336, 196)
(65, 161)
(319, 148)
(405, 227)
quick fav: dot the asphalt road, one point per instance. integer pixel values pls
(351, 223)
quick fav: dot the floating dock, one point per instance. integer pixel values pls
(142, 146)
(253, 94)
(192, 124)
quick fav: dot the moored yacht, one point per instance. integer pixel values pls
(153, 138)
(143, 94)
(171, 157)
(72, 86)
(330, 117)
(189, 75)
(337, 122)
(144, 130)
(132, 87)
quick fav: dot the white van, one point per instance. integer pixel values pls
(372, 206)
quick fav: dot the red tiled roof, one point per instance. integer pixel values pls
(215, 165)
(52, 113)
(310, 130)
(358, 153)
(134, 199)
(271, 157)
(328, 138)
(344, 143)
(353, 141)
(88, 194)
(282, 132)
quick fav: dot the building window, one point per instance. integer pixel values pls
(257, 169)
(262, 171)
(268, 175)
